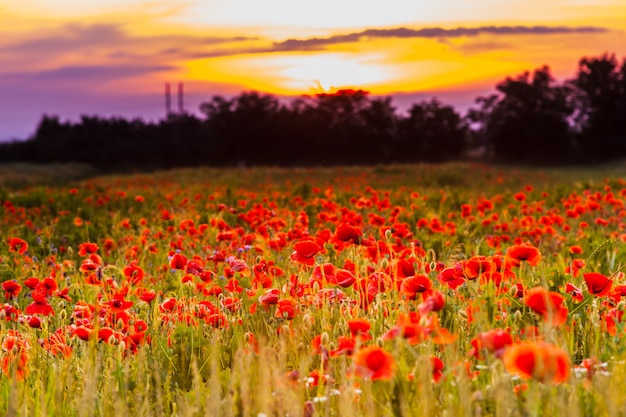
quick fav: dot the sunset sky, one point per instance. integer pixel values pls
(113, 57)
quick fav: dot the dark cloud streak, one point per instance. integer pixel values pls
(429, 33)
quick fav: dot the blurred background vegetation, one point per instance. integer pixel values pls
(530, 120)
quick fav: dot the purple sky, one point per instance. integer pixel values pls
(112, 57)
(22, 108)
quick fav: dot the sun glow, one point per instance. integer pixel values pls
(295, 73)
(330, 71)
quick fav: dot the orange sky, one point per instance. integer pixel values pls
(112, 57)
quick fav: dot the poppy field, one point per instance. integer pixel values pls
(448, 290)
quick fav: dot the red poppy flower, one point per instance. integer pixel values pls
(238, 265)
(374, 362)
(574, 291)
(575, 249)
(440, 335)
(32, 282)
(408, 327)
(49, 285)
(344, 278)
(57, 344)
(411, 286)
(359, 326)
(323, 274)
(233, 286)
(146, 295)
(598, 284)
(118, 304)
(345, 346)
(523, 252)
(478, 265)
(231, 304)
(91, 263)
(433, 301)
(611, 319)
(87, 248)
(348, 233)
(493, 341)
(452, 277)
(11, 289)
(466, 210)
(134, 273)
(437, 368)
(82, 332)
(404, 269)
(9, 312)
(178, 261)
(109, 244)
(271, 296)
(108, 335)
(548, 304)
(40, 304)
(575, 266)
(15, 357)
(286, 308)
(304, 251)
(17, 245)
(538, 360)
(168, 305)
(34, 322)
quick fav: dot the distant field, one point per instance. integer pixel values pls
(16, 175)
(423, 290)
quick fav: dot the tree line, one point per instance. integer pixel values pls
(530, 119)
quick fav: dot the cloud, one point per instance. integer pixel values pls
(429, 33)
(472, 47)
(89, 73)
(89, 39)
(441, 34)
(71, 36)
(116, 43)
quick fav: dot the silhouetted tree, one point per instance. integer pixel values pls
(530, 119)
(340, 127)
(527, 120)
(601, 108)
(241, 129)
(345, 127)
(380, 132)
(432, 132)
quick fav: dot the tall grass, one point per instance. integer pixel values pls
(209, 346)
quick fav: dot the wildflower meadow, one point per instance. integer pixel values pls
(425, 290)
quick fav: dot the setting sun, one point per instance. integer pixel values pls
(328, 71)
